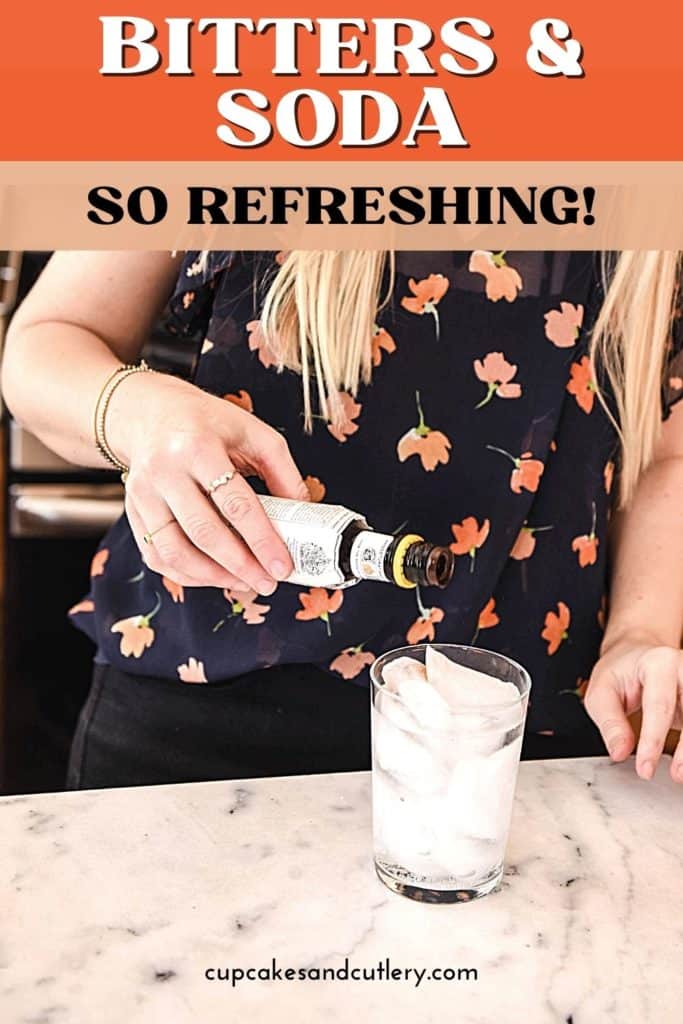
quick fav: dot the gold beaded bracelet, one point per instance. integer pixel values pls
(102, 405)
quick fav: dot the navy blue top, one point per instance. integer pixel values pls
(480, 429)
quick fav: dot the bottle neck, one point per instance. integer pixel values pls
(406, 560)
(429, 565)
(369, 555)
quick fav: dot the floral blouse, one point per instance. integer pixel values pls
(480, 429)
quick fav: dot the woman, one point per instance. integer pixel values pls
(503, 403)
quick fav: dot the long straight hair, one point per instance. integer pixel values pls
(319, 318)
(629, 345)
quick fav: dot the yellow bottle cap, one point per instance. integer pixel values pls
(400, 578)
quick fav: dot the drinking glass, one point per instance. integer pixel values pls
(444, 773)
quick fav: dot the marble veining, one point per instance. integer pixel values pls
(115, 903)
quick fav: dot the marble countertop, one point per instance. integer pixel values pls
(117, 902)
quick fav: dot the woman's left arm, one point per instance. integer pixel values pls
(641, 662)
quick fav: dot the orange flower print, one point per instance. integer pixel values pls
(136, 633)
(351, 662)
(608, 474)
(431, 446)
(526, 474)
(587, 548)
(527, 471)
(381, 342)
(316, 489)
(488, 617)
(502, 281)
(241, 399)
(423, 627)
(351, 410)
(525, 545)
(318, 604)
(176, 590)
(426, 296)
(469, 537)
(586, 545)
(581, 384)
(99, 561)
(192, 671)
(495, 371)
(676, 383)
(257, 343)
(556, 626)
(563, 326)
(244, 603)
(82, 606)
(188, 299)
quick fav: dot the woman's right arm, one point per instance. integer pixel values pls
(89, 313)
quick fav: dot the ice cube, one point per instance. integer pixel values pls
(435, 724)
(466, 857)
(460, 685)
(424, 703)
(394, 672)
(481, 790)
(405, 757)
(474, 735)
(390, 706)
(403, 834)
(483, 732)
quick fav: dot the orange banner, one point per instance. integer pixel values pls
(617, 106)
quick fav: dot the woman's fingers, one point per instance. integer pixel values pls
(604, 705)
(677, 760)
(239, 505)
(139, 529)
(658, 672)
(211, 534)
(265, 558)
(268, 452)
(169, 551)
(645, 677)
(227, 528)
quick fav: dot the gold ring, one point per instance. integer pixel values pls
(148, 536)
(225, 478)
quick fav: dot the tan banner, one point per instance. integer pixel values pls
(338, 205)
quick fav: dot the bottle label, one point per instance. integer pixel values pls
(368, 553)
(313, 535)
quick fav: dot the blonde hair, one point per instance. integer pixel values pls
(629, 345)
(319, 319)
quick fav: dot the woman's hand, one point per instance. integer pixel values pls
(176, 440)
(635, 674)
